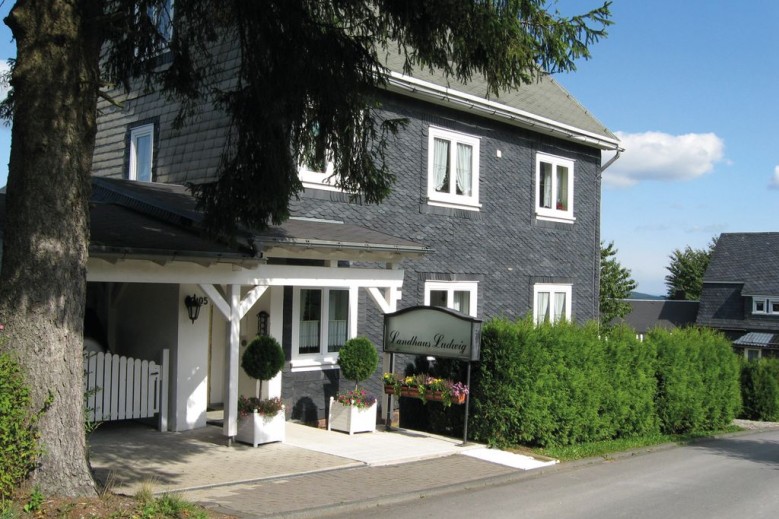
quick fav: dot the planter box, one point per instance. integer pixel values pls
(257, 428)
(434, 396)
(351, 419)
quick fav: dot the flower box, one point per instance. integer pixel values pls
(351, 419)
(256, 428)
(433, 396)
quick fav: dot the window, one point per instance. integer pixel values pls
(457, 295)
(318, 176)
(764, 305)
(320, 321)
(141, 153)
(551, 303)
(752, 354)
(554, 188)
(453, 169)
(161, 16)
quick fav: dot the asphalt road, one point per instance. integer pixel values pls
(735, 477)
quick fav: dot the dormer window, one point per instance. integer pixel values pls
(141, 153)
(763, 305)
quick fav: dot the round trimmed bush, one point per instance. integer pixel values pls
(358, 359)
(263, 358)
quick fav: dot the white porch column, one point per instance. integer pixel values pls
(392, 295)
(276, 330)
(230, 424)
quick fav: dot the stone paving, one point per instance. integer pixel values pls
(314, 473)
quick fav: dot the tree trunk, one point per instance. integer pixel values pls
(43, 276)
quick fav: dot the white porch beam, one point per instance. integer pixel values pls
(217, 300)
(252, 297)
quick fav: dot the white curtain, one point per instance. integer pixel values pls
(441, 164)
(309, 337)
(562, 188)
(559, 306)
(462, 301)
(336, 331)
(545, 187)
(464, 169)
(543, 307)
(143, 158)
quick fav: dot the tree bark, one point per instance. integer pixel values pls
(45, 244)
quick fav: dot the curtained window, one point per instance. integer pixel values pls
(551, 303)
(453, 169)
(554, 188)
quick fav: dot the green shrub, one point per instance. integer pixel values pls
(263, 358)
(19, 448)
(697, 380)
(358, 359)
(760, 390)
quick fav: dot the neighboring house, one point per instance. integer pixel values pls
(495, 211)
(740, 293)
(647, 314)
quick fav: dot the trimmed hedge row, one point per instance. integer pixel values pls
(564, 384)
(760, 390)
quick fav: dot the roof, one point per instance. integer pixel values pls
(759, 340)
(133, 218)
(748, 258)
(668, 314)
(542, 105)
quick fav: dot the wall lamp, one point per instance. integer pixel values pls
(193, 304)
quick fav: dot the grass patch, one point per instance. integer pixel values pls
(608, 447)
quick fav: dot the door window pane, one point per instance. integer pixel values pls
(310, 318)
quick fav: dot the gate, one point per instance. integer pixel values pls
(124, 388)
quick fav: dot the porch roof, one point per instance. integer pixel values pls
(137, 219)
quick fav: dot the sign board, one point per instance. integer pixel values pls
(433, 331)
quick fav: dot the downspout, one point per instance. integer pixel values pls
(596, 281)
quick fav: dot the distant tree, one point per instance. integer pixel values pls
(615, 285)
(686, 270)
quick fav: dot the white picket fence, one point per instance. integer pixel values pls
(124, 388)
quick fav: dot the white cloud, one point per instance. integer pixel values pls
(664, 157)
(774, 184)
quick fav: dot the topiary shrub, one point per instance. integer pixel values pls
(263, 358)
(19, 448)
(358, 359)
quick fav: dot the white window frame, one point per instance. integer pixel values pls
(552, 289)
(554, 214)
(450, 287)
(434, 197)
(768, 305)
(146, 130)
(324, 180)
(758, 350)
(324, 359)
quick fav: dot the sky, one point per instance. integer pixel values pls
(690, 87)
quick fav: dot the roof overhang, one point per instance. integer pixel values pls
(430, 92)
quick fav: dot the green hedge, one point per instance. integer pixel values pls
(697, 380)
(19, 449)
(564, 384)
(760, 390)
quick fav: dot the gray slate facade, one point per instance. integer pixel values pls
(740, 293)
(503, 246)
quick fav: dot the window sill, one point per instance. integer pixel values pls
(454, 205)
(321, 186)
(550, 217)
(314, 363)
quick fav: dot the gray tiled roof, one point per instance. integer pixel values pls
(748, 258)
(544, 98)
(761, 340)
(142, 216)
(668, 314)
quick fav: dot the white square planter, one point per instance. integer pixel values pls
(257, 428)
(351, 419)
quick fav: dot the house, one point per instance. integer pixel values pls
(740, 293)
(647, 314)
(513, 230)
